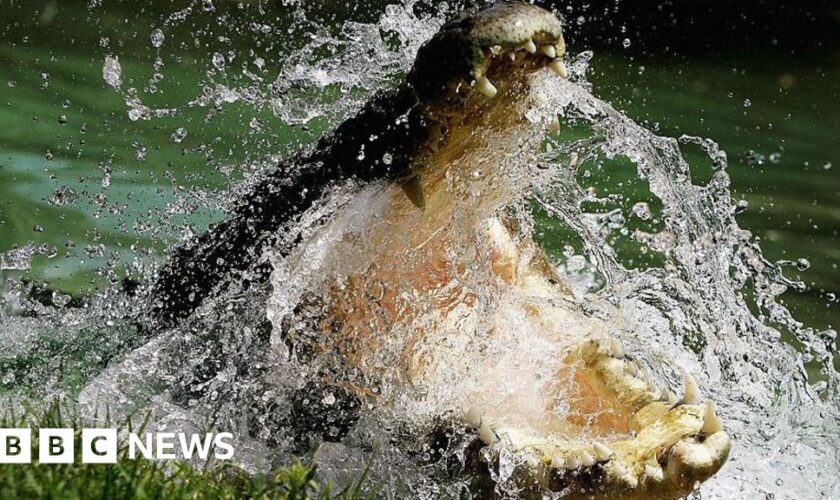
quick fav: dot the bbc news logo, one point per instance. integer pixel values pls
(100, 446)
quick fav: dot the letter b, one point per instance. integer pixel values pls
(55, 446)
(15, 446)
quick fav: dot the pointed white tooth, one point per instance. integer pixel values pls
(487, 435)
(631, 369)
(571, 462)
(586, 459)
(654, 472)
(711, 422)
(616, 349)
(549, 51)
(559, 68)
(485, 87)
(692, 392)
(558, 462)
(473, 417)
(512, 56)
(601, 451)
(672, 398)
(530, 46)
(496, 50)
(618, 469)
(554, 125)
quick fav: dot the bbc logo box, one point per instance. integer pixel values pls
(57, 446)
(15, 446)
(100, 446)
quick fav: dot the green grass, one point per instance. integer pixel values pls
(147, 479)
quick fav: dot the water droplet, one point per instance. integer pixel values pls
(179, 135)
(135, 114)
(626, 43)
(157, 38)
(642, 210)
(576, 263)
(62, 196)
(747, 103)
(219, 61)
(62, 119)
(112, 71)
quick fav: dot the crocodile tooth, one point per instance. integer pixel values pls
(619, 469)
(487, 435)
(654, 472)
(558, 462)
(485, 87)
(413, 188)
(496, 50)
(559, 67)
(571, 462)
(512, 56)
(601, 451)
(586, 459)
(711, 422)
(530, 46)
(554, 125)
(549, 51)
(692, 392)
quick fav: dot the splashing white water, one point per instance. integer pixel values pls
(709, 308)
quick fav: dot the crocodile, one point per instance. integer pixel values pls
(432, 284)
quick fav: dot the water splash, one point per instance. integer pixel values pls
(709, 306)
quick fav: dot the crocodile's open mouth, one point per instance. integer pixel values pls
(618, 435)
(441, 294)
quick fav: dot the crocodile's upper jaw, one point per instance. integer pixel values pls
(465, 52)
